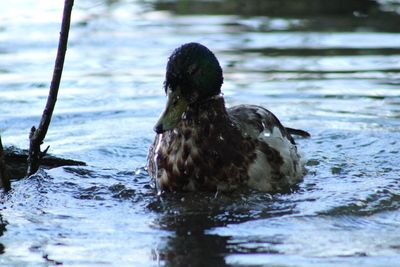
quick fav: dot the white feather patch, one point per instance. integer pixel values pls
(292, 169)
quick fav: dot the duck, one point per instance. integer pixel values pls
(201, 145)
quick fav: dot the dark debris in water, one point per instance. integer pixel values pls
(16, 159)
(51, 261)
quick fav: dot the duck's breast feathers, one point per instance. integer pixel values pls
(253, 120)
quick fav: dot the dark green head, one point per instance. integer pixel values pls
(193, 75)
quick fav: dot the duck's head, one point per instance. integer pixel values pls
(193, 76)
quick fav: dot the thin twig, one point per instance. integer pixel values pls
(4, 173)
(36, 136)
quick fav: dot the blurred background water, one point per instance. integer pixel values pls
(329, 67)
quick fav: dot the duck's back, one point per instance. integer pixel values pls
(278, 163)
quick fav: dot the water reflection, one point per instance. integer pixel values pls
(188, 244)
(321, 15)
(284, 8)
(187, 217)
(190, 217)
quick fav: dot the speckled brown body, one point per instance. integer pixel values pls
(211, 150)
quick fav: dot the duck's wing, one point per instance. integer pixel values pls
(253, 120)
(278, 163)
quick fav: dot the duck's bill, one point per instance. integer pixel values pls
(172, 115)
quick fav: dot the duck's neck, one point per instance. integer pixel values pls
(209, 112)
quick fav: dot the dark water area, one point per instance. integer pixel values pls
(329, 67)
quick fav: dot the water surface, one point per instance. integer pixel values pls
(333, 70)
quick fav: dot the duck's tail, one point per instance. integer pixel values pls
(297, 132)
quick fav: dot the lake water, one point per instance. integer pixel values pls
(331, 69)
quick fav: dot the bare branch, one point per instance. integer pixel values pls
(4, 173)
(37, 136)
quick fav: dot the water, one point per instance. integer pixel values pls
(333, 70)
